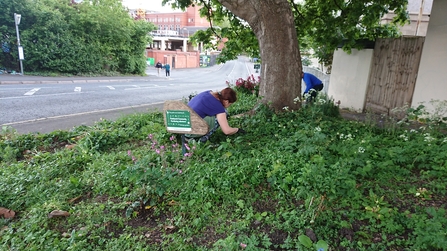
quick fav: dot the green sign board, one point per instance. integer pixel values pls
(178, 120)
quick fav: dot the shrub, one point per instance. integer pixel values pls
(249, 85)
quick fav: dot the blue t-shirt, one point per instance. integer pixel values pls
(311, 81)
(205, 104)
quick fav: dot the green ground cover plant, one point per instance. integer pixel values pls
(298, 180)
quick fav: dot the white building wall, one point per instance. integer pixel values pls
(432, 76)
(419, 16)
(349, 78)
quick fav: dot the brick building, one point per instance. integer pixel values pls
(170, 40)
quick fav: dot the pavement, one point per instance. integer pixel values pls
(7, 78)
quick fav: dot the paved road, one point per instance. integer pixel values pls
(72, 111)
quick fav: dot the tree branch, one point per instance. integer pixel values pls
(339, 7)
(209, 14)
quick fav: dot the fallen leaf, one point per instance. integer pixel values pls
(70, 146)
(172, 203)
(58, 213)
(7, 213)
(75, 199)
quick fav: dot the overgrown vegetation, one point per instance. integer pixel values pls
(298, 180)
(68, 38)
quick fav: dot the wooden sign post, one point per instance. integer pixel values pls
(181, 119)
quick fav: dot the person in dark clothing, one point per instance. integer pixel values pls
(168, 70)
(313, 86)
(158, 66)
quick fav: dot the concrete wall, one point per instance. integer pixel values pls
(432, 76)
(349, 78)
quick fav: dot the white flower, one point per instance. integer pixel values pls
(361, 149)
(428, 138)
(285, 108)
(317, 129)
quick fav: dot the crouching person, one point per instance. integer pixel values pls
(212, 107)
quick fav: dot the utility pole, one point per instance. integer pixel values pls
(17, 18)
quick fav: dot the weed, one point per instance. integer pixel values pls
(356, 186)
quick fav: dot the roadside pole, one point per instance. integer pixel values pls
(17, 18)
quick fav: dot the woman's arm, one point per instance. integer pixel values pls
(223, 122)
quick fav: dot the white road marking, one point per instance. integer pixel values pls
(77, 89)
(29, 93)
(111, 87)
(43, 95)
(146, 87)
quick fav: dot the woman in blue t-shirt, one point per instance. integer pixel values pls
(211, 106)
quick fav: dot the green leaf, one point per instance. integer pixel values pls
(321, 245)
(305, 240)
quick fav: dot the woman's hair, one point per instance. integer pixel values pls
(226, 94)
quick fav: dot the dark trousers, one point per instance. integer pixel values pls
(168, 73)
(314, 91)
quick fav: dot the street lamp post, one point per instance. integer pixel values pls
(17, 18)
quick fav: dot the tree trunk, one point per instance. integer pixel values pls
(273, 24)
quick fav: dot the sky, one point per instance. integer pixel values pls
(148, 4)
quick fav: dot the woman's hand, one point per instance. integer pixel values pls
(223, 122)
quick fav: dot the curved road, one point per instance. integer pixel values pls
(44, 107)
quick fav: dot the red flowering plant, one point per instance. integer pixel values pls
(249, 85)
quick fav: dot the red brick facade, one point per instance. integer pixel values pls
(177, 59)
(184, 24)
(176, 21)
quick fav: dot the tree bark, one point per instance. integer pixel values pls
(273, 24)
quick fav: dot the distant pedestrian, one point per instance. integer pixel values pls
(313, 86)
(168, 70)
(158, 66)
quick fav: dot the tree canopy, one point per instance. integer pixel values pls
(274, 30)
(61, 36)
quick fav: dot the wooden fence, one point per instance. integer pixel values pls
(393, 73)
